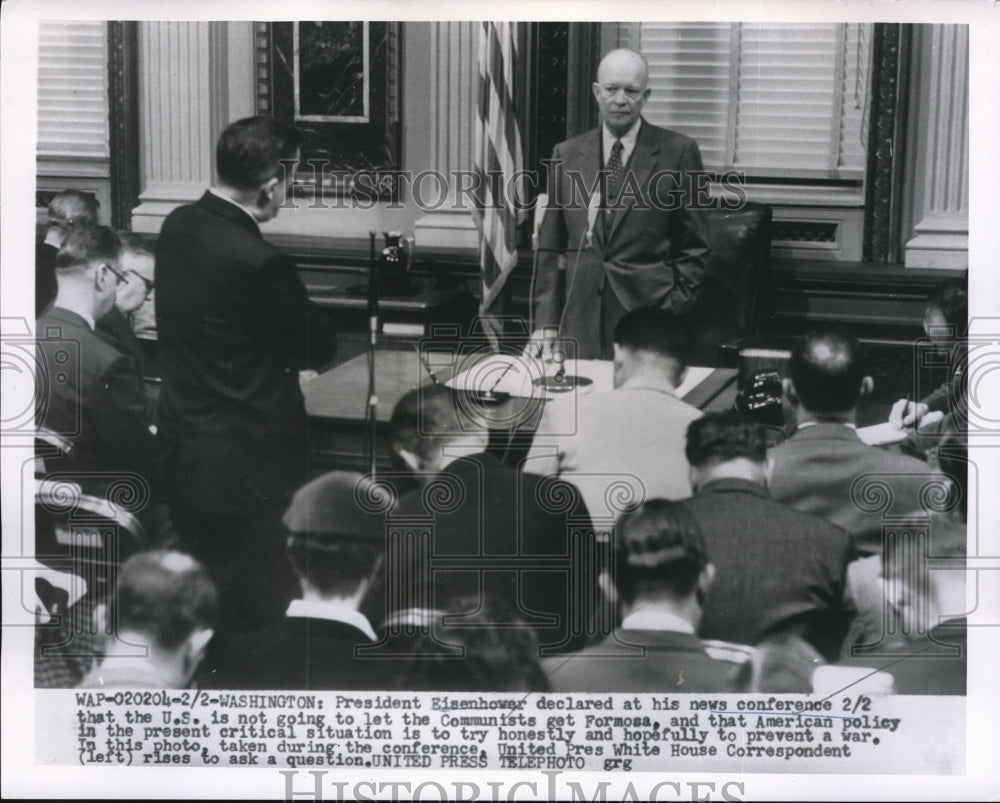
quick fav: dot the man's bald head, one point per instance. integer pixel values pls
(621, 89)
(623, 60)
(827, 371)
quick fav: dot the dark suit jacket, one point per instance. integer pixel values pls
(477, 510)
(93, 397)
(671, 662)
(922, 666)
(777, 570)
(816, 469)
(300, 653)
(235, 327)
(654, 250)
(45, 276)
(116, 330)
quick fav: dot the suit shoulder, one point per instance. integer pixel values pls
(666, 134)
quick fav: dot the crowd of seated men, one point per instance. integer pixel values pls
(728, 565)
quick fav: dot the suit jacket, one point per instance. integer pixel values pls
(816, 469)
(617, 447)
(653, 250)
(748, 536)
(45, 276)
(235, 328)
(479, 510)
(669, 662)
(93, 397)
(115, 328)
(924, 665)
(300, 652)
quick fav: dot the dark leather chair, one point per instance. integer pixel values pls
(737, 296)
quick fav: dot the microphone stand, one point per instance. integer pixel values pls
(370, 413)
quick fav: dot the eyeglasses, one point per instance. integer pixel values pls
(611, 91)
(143, 279)
(120, 278)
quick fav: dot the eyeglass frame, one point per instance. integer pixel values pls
(150, 285)
(120, 277)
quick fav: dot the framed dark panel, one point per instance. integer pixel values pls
(340, 81)
(123, 120)
(886, 142)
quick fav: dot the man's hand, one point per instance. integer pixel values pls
(307, 376)
(540, 344)
(906, 413)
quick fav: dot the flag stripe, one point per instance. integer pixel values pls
(499, 159)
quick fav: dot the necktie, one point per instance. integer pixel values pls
(615, 170)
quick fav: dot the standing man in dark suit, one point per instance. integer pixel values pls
(778, 571)
(632, 240)
(92, 392)
(235, 329)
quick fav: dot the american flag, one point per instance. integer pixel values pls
(499, 159)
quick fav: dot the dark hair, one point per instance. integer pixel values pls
(491, 648)
(659, 547)
(165, 595)
(424, 420)
(719, 437)
(250, 151)
(71, 207)
(134, 243)
(331, 564)
(951, 299)
(87, 242)
(827, 370)
(654, 330)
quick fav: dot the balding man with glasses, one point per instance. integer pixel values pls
(92, 393)
(621, 220)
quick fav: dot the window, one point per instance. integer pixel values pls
(770, 100)
(72, 90)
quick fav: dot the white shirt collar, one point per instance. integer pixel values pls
(647, 382)
(656, 620)
(628, 141)
(237, 204)
(333, 612)
(808, 424)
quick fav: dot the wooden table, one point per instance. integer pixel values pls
(336, 402)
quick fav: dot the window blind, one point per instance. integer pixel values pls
(771, 100)
(72, 90)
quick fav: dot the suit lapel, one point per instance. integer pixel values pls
(587, 164)
(640, 166)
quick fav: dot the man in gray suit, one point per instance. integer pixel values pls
(824, 468)
(620, 219)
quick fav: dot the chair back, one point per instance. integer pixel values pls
(737, 296)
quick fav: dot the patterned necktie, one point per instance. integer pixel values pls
(615, 170)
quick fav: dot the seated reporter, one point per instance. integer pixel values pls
(165, 607)
(334, 546)
(663, 576)
(92, 393)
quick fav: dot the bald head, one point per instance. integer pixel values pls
(621, 89)
(827, 372)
